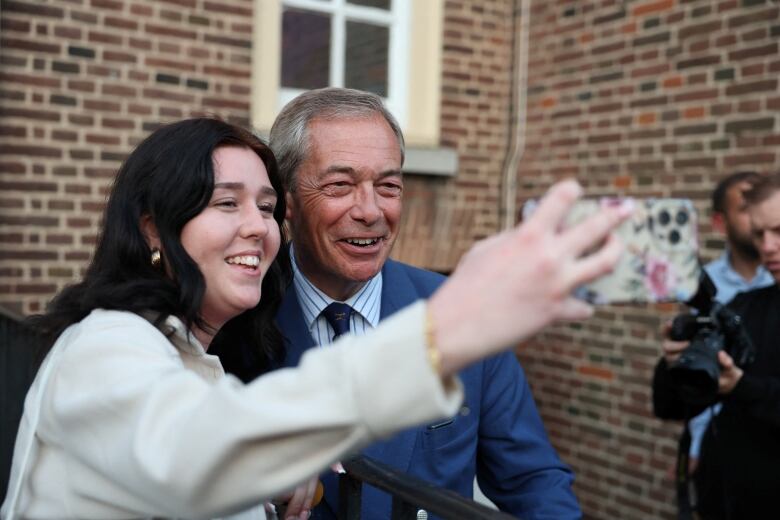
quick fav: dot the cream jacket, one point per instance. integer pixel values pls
(134, 424)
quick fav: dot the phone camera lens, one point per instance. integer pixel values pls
(674, 236)
(664, 218)
(682, 217)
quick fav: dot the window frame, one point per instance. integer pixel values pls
(341, 11)
(420, 62)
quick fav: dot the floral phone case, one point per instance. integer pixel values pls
(660, 257)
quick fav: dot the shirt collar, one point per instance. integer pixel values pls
(366, 302)
(727, 271)
(178, 334)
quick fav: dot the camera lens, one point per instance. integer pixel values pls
(674, 236)
(664, 218)
(682, 217)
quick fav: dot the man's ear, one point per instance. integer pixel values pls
(149, 231)
(289, 202)
(719, 223)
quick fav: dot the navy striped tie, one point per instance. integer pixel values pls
(338, 315)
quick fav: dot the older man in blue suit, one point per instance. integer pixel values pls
(340, 155)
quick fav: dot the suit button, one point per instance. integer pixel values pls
(422, 514)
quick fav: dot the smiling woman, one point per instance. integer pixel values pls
(197, 191)
(130, 417)
(234, 239)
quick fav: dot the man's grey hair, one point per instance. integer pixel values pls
(289, 138)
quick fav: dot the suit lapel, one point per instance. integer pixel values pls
(397, 289)
(297, 338)
(397, 292)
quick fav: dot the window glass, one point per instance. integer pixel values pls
(305, 49)
(366, 58)
(381, 4)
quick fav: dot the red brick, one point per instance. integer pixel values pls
(31, 8)
(104, 37)
(693, 113)
(124, 124)
(115, 5)
(67, 33)
(123, 57)
(652, 7)
(30, 150)
(169, 64)
(143, 10)
(102, 139)
(769, 49)
(170, 32)
(101, 106)
(28, 45)
(120, 23)
(673, 81)
(647, 118)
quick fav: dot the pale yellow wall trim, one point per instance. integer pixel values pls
(424, 98)
(266, 68)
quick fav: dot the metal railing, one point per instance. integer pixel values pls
(410, 494)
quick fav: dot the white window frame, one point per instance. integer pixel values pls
(414, 93)
(340, 12)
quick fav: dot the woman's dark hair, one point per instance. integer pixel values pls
(170, 178)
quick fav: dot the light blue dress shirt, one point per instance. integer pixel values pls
(366, 303)
(729, 283)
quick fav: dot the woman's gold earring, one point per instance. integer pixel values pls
(156, 257)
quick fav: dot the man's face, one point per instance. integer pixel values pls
(737, 221)
(765, 219)
(345, 209)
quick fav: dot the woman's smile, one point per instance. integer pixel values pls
(235, 238)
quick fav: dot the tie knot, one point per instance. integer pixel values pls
(338, 315)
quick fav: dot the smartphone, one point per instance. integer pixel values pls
(660, 260)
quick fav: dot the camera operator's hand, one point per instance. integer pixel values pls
(671, 349)
(730, 373)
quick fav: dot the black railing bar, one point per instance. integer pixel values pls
(441, 502)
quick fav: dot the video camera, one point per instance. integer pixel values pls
(715, 327)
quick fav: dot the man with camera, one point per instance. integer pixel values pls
(737, 476)
(738, 269)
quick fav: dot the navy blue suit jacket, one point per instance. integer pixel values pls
(497, 436)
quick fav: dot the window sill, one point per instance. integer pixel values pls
(440, 162)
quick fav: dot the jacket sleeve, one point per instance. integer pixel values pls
(517, 467)
(757, 393)
(170, 443)
(758, 396)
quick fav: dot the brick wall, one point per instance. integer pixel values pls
(642, 98)
(442, 218)
(81, 81)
